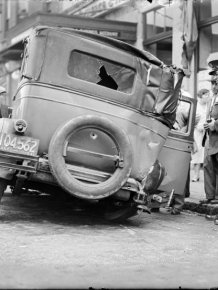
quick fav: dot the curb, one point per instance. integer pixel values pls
(207, 209)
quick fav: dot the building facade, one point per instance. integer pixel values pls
(156, 27)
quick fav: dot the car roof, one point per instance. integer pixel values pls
(145, 55)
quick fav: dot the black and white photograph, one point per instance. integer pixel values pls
(108, 144)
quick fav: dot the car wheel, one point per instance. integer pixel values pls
(3, 186)
(120, 214)
(84, 189)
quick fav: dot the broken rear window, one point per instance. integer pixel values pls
(102, 72)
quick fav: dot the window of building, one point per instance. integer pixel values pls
(102, 72)
(22, 10)
(162, 49)
(208, 43)
(158, 33)
(207, 39)
(208, 8)
(158, 21)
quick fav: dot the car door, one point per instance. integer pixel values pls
(175, 155)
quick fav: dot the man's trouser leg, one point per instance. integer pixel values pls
(215, 164)
(209, 176)
(187, 184)
(178, 201)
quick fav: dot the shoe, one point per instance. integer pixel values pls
(216, 220)
(175, 211)
(195, 179)
(210, 217)
(214, 201)
(187, 194)
(205, 201)
(155, 209)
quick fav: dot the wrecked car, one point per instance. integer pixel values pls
(90, 116)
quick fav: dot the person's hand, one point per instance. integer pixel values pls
(176, 126)
(210, 125)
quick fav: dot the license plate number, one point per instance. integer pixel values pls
(19, 144)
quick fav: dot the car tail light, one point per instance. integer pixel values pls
(20, 126)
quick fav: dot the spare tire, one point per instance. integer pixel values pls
(83, 189)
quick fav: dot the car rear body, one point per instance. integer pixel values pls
(59, 86)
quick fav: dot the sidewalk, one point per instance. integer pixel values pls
(196, 194)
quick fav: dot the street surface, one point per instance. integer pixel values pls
(51, 243)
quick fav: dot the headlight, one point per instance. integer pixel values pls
(20, 126)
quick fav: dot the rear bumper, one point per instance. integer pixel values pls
(18, 161)
(39, 170)
(10, 163)
(43, 174)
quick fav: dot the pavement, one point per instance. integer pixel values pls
(196, 194)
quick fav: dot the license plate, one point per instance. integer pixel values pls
(19, 144)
